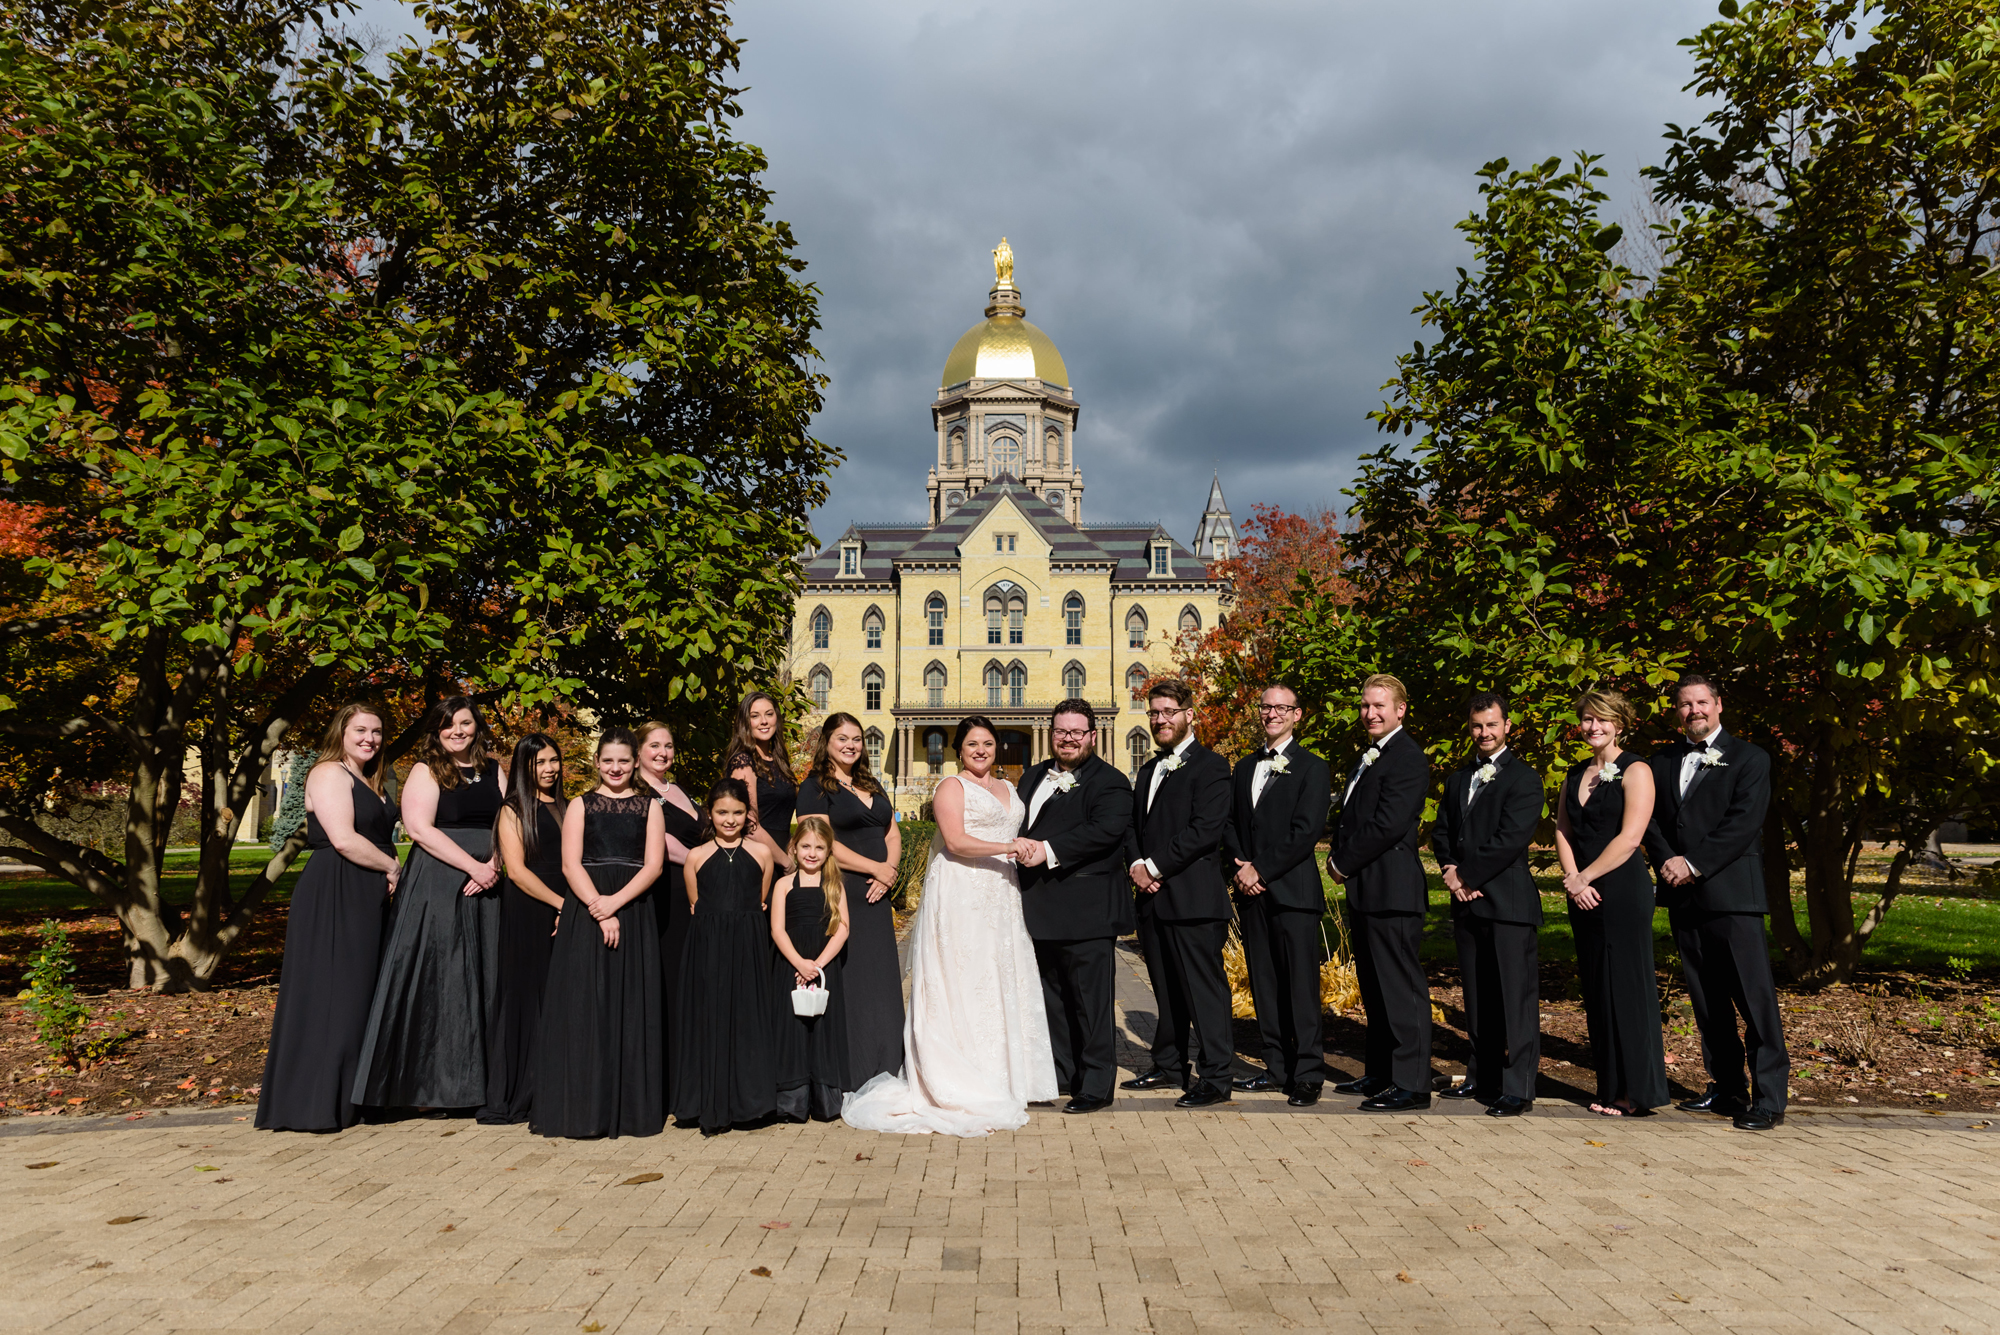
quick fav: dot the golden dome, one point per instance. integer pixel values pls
(1004, 346)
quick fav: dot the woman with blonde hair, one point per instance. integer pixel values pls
(333, 931)
(1601, 821)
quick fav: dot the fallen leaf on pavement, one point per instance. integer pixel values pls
(1404, 1276)
(46, 1163)
(638, 1179)
(775, 1224)
(126, 1219)
(1677, 1298)
(762, 1271)
(1420, 1163)
(860, 1158)
(449, 1228)
(1475, 1228)
(592, 1327)
(1599, 1143)
(204, 1168)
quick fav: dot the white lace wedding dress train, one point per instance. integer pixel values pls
(975, 1036)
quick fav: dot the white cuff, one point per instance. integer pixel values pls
(1691, 870)
(1151, 869)
(1048, 853)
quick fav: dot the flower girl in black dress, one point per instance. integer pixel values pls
(809, 925)
(598, 1059)
(725, 1071)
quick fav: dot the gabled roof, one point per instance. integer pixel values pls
(880, 545)
(1066, 542)
(1131, 546)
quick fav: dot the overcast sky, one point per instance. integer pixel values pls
(1221, 213)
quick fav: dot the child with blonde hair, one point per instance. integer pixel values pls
(809, 927)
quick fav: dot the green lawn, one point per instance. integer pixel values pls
(41, 895)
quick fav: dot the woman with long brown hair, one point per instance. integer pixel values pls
(425, 1045)
(868, 847)
(756, 759)
(529, 835)
(332, 933)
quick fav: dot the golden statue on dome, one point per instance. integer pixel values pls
(1003, 264)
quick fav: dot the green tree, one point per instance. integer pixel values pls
(1773, 461)
(276, 448)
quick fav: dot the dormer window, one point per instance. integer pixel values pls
(850, 560)
(1003, 542)
(1222, 549)
(1162, 560)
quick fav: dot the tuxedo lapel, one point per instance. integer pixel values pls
(1031, 783)
(1499, 768)
(1719, 740)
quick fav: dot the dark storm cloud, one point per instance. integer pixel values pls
(1221, 213)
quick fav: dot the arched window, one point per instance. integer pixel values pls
(996, 612)
(1017, 617)
(1003, 455)
(1073, 681)
(934, 750)
(934, 684)
(1135, 682)
(1052, 446)
(1135, 628)
(871, 627)
(1073, 619)
(821, 685)
(996, 685)
(873, 741)
(934, 617)
(871, 689)
(822, 624)
(954, 449)
(1190, 620)
(1017, 685)
(1139, 746)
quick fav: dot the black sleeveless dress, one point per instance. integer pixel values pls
(871, 970)
(1614, 951)
(333, 936)
(777, 795)
(671, 910)
(425, 1045)
(526, 939)
(811, 1050)
(724, 1064)
(598, 1057)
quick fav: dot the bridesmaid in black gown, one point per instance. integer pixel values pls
(333, 934)
(670, 902)
(529, 833)
(1600, 823)
(725, 1071)
(868, 847)
(811, 1050)
(598, 1058)
(425, 1045)
(757, 760)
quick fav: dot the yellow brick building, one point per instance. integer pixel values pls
(1006, 601)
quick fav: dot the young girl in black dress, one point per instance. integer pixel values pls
(598, 1064)
(809, 925)
(724, 1067)
(529, 835)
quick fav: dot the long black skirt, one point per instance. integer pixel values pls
(425, 1045)
(725, 1061)
(333, 937)
(671, 907)
(526, 942)
(874, 984)
(811, 1050)
(599, 1057)
(1621, 995)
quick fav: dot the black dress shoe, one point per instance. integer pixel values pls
(1756, 1119)
(1368, 1086)
(1153, 1079)
(1464, 1092)
(1304, 1094)
(1203, 1095)
(1081, 1104)
(1714, 1101)
(1509, 1106)
(1393, 1099)
(1261, 1083)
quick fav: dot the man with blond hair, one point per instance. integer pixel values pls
(1375, 857)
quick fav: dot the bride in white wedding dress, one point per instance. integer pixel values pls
(975, 1036)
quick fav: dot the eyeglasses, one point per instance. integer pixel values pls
(1277, 709)
(1158, 714)
(1070, 734)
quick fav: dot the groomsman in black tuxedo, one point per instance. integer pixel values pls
(1076, 899)
(1277, 812)
(1375, 857)
(1180, 804)
(1705, 844)
(1485, 823)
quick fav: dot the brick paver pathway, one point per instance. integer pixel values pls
(1247, 1218)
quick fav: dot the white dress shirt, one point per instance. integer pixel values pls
(1159, 773)
(1043, 793)
(1261, 776)
(1360, 770)
(1472, 789)
(1689, 764)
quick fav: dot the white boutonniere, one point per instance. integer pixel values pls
(1063, 781)
(1712, 759)
(1171, 763)
(1279, 764)
(1487, 771)
(1370, 756)
(1610, 772)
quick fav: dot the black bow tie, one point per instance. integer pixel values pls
(1164, 755)
(1267, 754)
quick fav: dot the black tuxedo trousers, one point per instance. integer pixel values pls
(1726, 964)
(1191, 994)
(1282, 949)
(1076, 991)
(1396, 996)
(1499, 963)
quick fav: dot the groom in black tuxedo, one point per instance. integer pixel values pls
(1485, 823)
(1375, 857)
(1277, 813)
(1705, 842)
(1180, 804)
(1075, 898)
